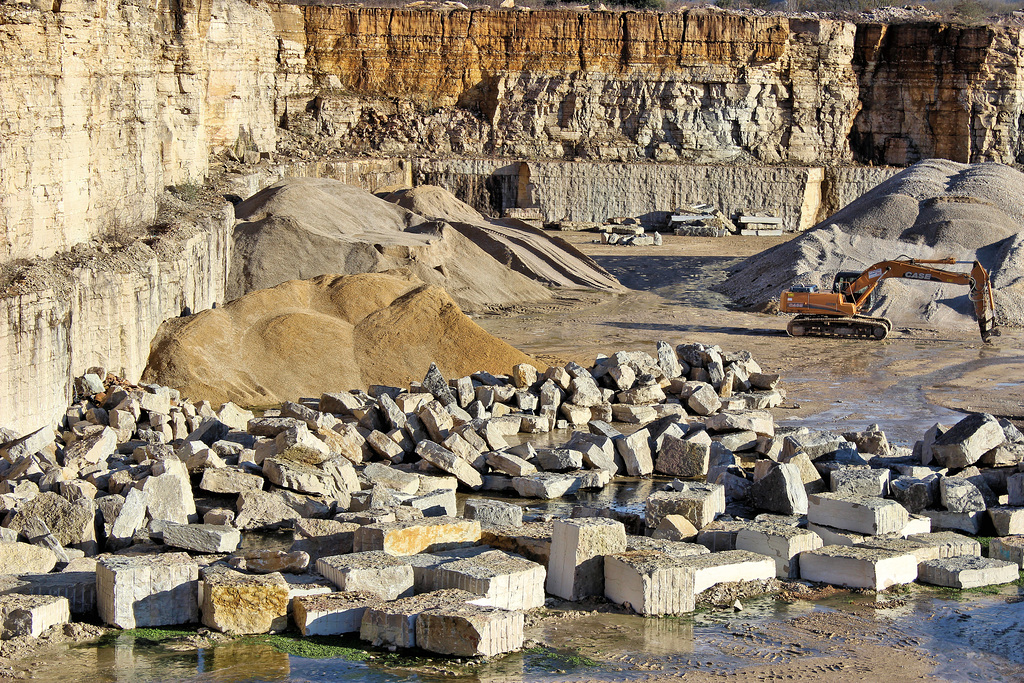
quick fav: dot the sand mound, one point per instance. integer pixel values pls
(931, 210)
(516, 244)
(306, 337)
(304, 227)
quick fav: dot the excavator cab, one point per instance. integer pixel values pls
(842, 281)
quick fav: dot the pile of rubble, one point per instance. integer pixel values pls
(367, 483)
(700, 220)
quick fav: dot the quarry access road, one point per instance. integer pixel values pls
(915, 377)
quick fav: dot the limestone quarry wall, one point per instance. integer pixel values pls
(103, 315)
(597, 191)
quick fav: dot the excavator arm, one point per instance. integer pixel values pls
(839, 314)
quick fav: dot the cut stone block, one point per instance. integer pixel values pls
(576, 567)
(332, 613)
(675, 528)
(202, 538)
(1007, 521)
(960, 495)
(78, 587)
(650, 582)
(968, 572)
(470, 630)
(439, 503)
(224, 480)
(372, 572)
(240, 604)
(510, 464)
(379, 473)
(416, 536)
(860, 482)
(503, 580)
(857, 567)
(685, 457)
(720, 535)
(669, 548)
(781, 542)
(494, 512)
(30, 615)
(918, 524)
(864, 514)
(152, 590)
(832, 536)
(949, 543)
(323, 537)
(266, 561)
(727, 566)
(532, 540)
(967, 522)
(393, 624)
(1008, 549)
(698, 503)
(922, 551)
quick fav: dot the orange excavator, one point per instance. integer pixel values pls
(838, 313)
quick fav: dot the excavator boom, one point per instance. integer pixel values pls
(838, 313)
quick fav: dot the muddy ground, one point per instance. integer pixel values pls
(913, 378)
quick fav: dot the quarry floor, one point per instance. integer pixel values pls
(915, 377)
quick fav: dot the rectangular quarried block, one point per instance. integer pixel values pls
(650, 582)
(78, 587)
(394, 623)
(576, 568)
(949, 543)
(502, 579)
(1008, 549)
(30, 615)
(968, 571)
(331, 613)
(151, 590)
(417, 536)
(726, 567)
(698, 503)
(241, 604)
(470, 630)
(781, 542)
(375, 572)
(863, 514)
(858, 567)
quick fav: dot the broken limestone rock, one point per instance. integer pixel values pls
(635, 451)
(686, 457)
(241, 604)
(393, 624)
(494, 512)
(431, 534)
(23, 558)
(442, 458)
(967, 441)
(266, 561)
(699, 503)
(780, 490)
(202, 538)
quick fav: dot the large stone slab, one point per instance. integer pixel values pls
(781, 489)
(416, 536)
(781, 542)
(863, 514)
(968, 572)
(470, 630)
(532, 540)
(442, 458)
(393, 624)
(1008, 521)
(151, 590)
(502, 579)
(966, 441)
(241, 604)
(966, 522)
(650, 582)
(949, 543)
(78, 587)
(371, 572)
(857, 567)
(494, 512)
(578, 546)
(546, 485)
(332, 614)
(17, 557)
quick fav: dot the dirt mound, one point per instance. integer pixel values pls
(304, 227)
(933, 209)
(306, 337)
(518, 245)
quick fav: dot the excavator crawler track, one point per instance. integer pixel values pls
(854, 327)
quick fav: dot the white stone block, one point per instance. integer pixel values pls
(150, 590)
(650, 582)
(968, 572)
(373, 572)
(864, 514)
(856, 567)
(30, 615)
(502, 579)
(781, 542)
(470, 630)
(393, 624)
(728, 566)
(332, 613)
